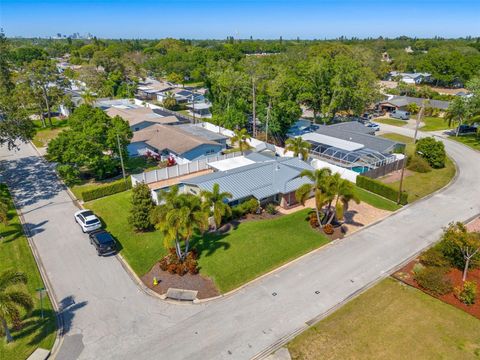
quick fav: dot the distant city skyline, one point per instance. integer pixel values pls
(261, 19)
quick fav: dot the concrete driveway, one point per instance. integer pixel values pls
(107, 317)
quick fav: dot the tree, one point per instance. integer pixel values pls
(46, 85)
(142, 205)
(177, 217)
(413, 108)
(319, 179)
(241, 138)
(169, 102)
(217, 202)
(458, 239)
(14, 125)
(457, 112)
(12, 299)
(298, 146)
(433, 151)
(343, 191)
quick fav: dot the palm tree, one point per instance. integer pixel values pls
(88, 97)
(169, 102)
(318, 187)
(241, 138)
(178, 216)
(298, 146)
(216, 201)
(457, 112)
(343, 191)
(11, 299)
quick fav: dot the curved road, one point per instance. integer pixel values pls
(107, 317)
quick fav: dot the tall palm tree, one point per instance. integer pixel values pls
(177, 217)
(241, 138)
(342, 191)
(216, 201)
(298, 146)
(169, 102)
(12, 299)
(318, 187)
(457, 112)
(88, 97)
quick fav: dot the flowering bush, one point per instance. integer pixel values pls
(467, 294)
(173, 265)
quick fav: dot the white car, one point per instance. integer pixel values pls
(87, 220)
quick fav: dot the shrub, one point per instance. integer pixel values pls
(248, 207)
(142, 205)
(433, 151)
(271, 209)
(419, 164)
(328, 229)
(417, 268)
(69, 174)
(434, 280)
(106, 190)
(381, 189)
(434, 257)
(173, 265)
(467, 294)
(313, 220)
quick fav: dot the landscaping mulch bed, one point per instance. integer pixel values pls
(205, 286)
(406, 275)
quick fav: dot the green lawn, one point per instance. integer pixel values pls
(472, 141)
(252, 249)
(435, 124)
(45, 134)
(419, 185)
(390, 121)
(15, 254)
(376, 200)
(391, 321)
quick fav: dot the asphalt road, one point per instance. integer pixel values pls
(108, 317)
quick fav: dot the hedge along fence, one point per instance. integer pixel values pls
(381, 189)
(106, 190)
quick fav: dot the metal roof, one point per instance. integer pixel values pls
(198, 130)
(400, 101)
(261, 180)
(332, 141)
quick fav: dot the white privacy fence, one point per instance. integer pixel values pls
(179, 169)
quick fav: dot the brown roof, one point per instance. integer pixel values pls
(170, 137)
(138, 115)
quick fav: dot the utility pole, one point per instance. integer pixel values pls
(254, 114)
(121, 159)
(268, 118)
(419, 119)
(193, 107)
(400, 188)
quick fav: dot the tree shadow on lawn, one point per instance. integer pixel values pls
(209, 243)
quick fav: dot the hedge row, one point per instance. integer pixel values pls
(381, 189)
(106, 190)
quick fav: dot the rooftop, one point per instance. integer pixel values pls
(405, 100)
(138, 114)
(198, 130)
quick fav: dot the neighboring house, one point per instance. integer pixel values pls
(201, 110)
(200, 131)
(402, 102)
(182, 96)
(166, 140)
(149, 88)
(410, 78)
(349, 146)
(139, 117)
(275, 180)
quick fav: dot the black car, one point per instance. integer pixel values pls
(103, 242)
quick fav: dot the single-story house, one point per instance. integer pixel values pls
(166, 141)
(182, 96)
(201, 109)
(149, 88)
(199, 130)
(275, 180)
(402, 102)
(409, 78)
(140, 117)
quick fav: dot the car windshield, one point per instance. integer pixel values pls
(87, 213)
(91, 222)
(104, 238)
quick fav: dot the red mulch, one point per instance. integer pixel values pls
(205, 286)
(405, 275)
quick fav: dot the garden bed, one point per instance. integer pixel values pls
(205, 286)
(406, 275)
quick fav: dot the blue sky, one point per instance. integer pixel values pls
(241, 18)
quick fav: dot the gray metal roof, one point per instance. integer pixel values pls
(354, 126)
(405, 100)
(198, 130)
(369, 141)
(261, 180)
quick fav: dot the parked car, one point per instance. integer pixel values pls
(466, 129)
(399, 114)
(367, 116)
(103, 242)
(373, 126)
(87, 220)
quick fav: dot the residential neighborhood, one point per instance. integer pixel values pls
(182, 190)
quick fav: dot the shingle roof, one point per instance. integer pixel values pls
(354, 126)
(260, 180)
(137, 115)
(164, 137)
(198, 130)
(405, 100)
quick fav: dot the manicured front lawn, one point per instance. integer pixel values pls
(232, 259)
(472, 141)
(15, 254)
(435, 124)
(43, 137)
(376, 200)
(391, 321)
(390, 121)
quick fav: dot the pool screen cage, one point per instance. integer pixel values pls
(365, 158)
